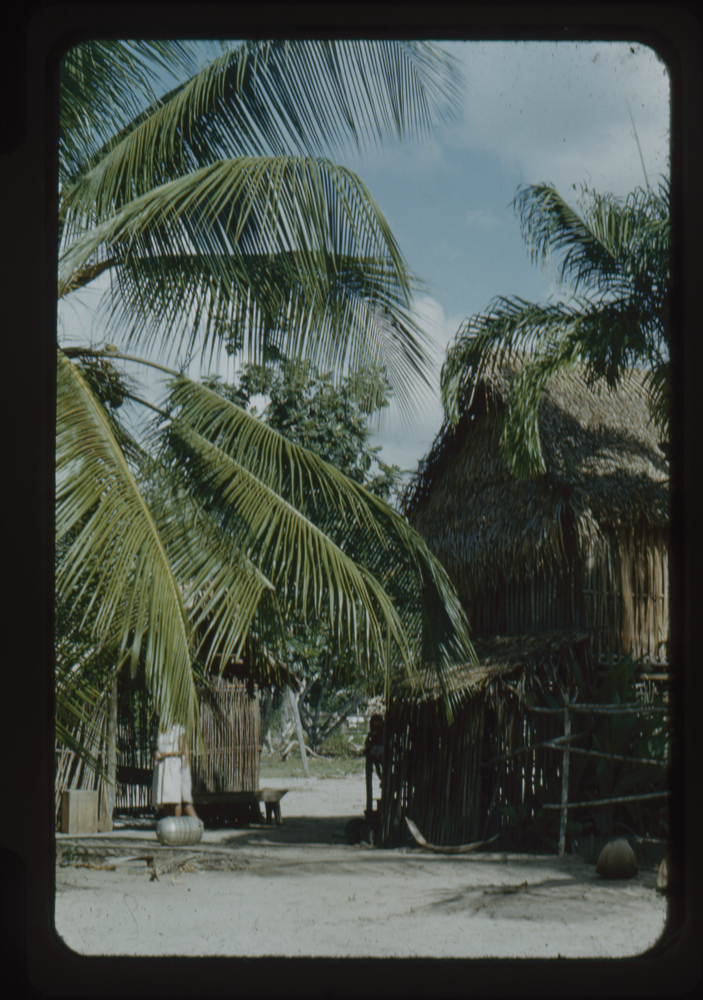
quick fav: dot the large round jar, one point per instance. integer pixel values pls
(176, 831)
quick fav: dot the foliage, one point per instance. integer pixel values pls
(616, 256)
(331, 420)
(632, 735)
(327, 416)
(223, 226)
(643, 736)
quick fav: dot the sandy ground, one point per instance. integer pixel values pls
(299, 890)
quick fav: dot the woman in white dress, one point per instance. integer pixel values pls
(171, 787)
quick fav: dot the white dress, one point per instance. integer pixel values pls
(171, 784)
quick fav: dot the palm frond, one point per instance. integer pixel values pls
(246, 303)
(288, 251)
(296, 517)
(549, 224)
(485, 342)
(250, 205)
(105, 84)
(117, 556)
(222, 588)
(270, 98)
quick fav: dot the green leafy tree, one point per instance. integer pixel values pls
(614, 255)
(330, 419)
(222, 226)
(325, 415)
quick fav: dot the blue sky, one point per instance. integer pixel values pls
(533, 112)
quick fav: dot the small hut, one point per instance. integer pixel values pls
(569, 567)
(226, 761)
(452, 780)
(230, 716)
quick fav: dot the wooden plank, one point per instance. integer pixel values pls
(231, 798)
(608, 802)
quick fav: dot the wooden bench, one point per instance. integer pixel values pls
(271, 797)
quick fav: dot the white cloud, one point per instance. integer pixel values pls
(558, 112)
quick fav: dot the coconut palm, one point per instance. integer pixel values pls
(222, 227)
(615, 257)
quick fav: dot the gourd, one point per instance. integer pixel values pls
(179, 830)
(617, 860)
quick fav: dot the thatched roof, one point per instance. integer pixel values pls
(264, 670)
(498, 656)
(604, 467)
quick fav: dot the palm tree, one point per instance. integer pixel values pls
(217, 237)
(615, 255)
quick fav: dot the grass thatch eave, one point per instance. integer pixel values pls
(604, 467)
(530, 658)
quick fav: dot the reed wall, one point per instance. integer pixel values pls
(619, 589)
(434, 773)
(228, 759)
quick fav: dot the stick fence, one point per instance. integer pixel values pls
(564, 746)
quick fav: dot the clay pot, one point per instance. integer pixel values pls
(663, 874)
(666, 879)
(617, 860)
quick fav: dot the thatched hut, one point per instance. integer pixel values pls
(569, 567)
(227, 760)
(585, 545)
(446, 777)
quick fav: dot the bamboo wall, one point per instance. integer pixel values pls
(228, 760)
(433, 772)
(547, 601)
(625, 594)
(621, 591)
(443, 777)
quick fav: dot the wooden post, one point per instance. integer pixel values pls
(299, 731)
(564, 783)
(369, 789)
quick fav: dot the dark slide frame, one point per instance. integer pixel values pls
(33, 958)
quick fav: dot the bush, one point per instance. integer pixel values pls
(343, 744)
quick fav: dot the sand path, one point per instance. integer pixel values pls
(300, 890)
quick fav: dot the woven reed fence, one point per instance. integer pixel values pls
(431, 774)
(228, 760)
(136, 727)
(136, 731)
(520, 778)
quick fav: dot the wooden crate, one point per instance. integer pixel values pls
(79, 811)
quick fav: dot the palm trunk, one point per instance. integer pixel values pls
(108, 802)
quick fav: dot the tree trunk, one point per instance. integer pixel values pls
(315, 730)
(299, 730)
(266, 706)
(111, 787)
